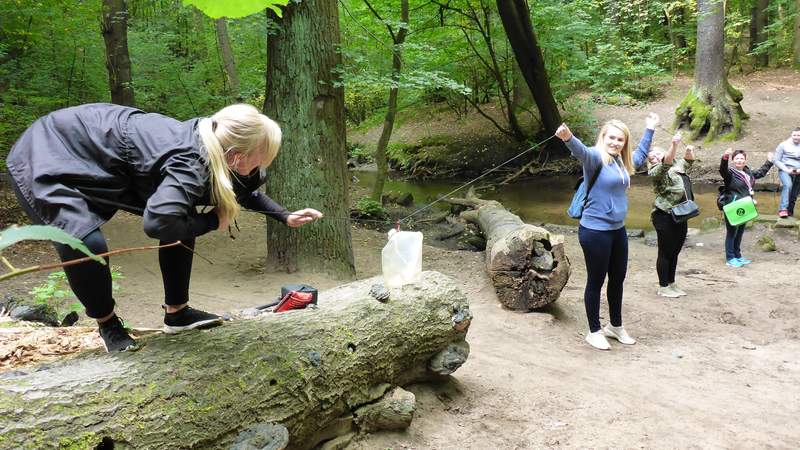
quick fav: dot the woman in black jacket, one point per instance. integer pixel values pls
(739, 181)
(74, 168)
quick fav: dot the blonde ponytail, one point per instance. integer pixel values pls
(240, 129)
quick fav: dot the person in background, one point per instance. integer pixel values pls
(787, 160)
(75, 167)
(602, 233)
(739, 181)
(672, 186)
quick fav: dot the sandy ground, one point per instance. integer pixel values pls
(715, 369)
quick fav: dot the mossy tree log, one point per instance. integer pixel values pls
(305, 370)
(526, 263)
(712, 107)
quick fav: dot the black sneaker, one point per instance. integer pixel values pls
(115, 337)
(189, 319)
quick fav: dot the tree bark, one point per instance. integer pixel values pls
(758, 33)
(527, 264)
(114, 28)
(712, 106)
(399, 39)
(797, 33)
(311, 169)
(305, 370)
(517, 23)
(226, 50)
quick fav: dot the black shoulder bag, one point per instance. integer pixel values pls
(685, 210)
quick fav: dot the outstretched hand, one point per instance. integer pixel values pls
(302, 217)
(651, 121)
(728, 152)
(564, 133)
(770, 157)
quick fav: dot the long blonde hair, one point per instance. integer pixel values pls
(240, 129)
(625, 153)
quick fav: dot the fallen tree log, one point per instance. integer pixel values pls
(304, 371)
(526, 263)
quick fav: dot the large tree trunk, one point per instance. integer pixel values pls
(527, 264)
(797, 33)
(712, 106)
(226, 50)
(311, 169)
(388, 122)
(114, 28)
(758, 33)
(305, 370)
(517, 23)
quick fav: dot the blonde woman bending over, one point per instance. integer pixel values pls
(75, 167)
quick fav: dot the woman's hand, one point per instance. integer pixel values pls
(651, 121)
(302, 217)
(689, 155)
(563, 132)
(728, 152)
(676, 139)
(770, 157)
(223, 222)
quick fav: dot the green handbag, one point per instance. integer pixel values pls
(740, 211)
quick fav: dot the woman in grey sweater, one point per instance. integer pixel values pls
(74, 168)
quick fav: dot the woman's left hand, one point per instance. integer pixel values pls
(652, 121)
(302, 217)
(770, 157)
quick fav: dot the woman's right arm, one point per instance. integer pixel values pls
(723, 165)
(575, 146)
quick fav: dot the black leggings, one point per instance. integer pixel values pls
(91, 281)
(671, 237)
(605, 253)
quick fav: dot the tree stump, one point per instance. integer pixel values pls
(243, 382)
(526, 263)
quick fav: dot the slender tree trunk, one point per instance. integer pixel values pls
(758, 33)
(517, 23)
(797, 33)
(114, 28)
(712, 106)
(310, 170)
(391, 111)
(225, 48)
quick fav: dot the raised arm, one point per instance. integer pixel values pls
(762, 171)
(640, 154)
(723, 165)
(575, 146)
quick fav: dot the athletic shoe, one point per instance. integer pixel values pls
(619, 334)
(598, 340)
(674, 287)
(744, 260)
(733, 262)
(667, 291)
(189, 319)
(783, 214)
(115, 337)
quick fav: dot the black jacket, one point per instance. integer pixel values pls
(735, 187)
(77, 166)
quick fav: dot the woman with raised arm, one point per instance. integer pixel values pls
(672, 186)
(602, 233)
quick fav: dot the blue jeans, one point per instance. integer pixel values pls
(789, 190)
(733, 240)
(605, 253)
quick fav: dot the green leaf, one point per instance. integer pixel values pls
(235, 8)
(14, 234)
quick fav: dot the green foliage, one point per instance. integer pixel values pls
(400, 155)
(235, 8)
(360, 154)
(362, 99)
(14, 234)
(367, 207)
(55, 291)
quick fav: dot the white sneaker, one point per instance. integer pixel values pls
(668, 291)
(598, 340)
(679, 291)
(619, 334)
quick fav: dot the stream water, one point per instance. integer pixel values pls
(545, 199)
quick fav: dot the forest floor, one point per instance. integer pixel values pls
(716, 369)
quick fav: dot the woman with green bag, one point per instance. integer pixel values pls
(739, 181)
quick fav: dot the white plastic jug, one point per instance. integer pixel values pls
(401, 258)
